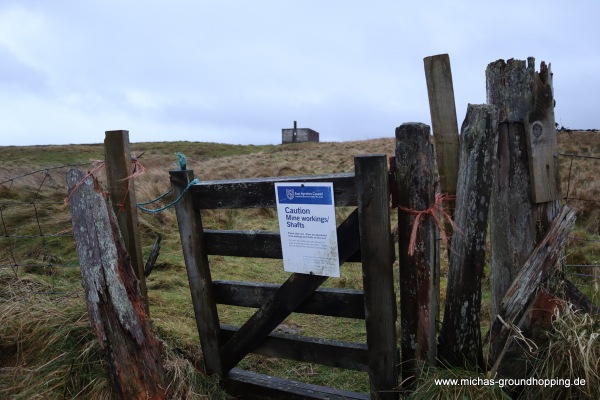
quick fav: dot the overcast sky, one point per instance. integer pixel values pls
(240, 71)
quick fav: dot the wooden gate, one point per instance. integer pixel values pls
(363, 237)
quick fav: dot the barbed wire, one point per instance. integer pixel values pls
(14, 215)
(584, 240)
(560, 128)
(45, 170)
(10, 236)
(573, 155)
(65, 265)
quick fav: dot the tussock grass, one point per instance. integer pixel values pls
(34, 362)
(426, 387)
(572, 352)
(48, 351)
(185, 382)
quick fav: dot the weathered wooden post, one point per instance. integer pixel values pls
(372, 188)
(460, 337)
(443, 119)
(115, 306)
(442, 109)
(506, 356)
(419, 277)
(122, 194)
(526, 187)
(198, 271)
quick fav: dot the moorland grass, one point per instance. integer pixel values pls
(32, 365)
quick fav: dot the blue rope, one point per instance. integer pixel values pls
(156, 199)
(148, 210)
(182, 160)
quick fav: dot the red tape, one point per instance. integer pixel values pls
(437, 212)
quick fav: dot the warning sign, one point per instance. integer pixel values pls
(308, 229)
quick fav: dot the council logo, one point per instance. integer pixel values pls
(289, 193)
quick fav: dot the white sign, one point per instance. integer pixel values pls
(307, 226)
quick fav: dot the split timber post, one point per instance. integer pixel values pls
(121, 186)
(115, 306)
(442, 109)
(526, 187)
(443, 119)
(506, 355)
(419, 272)
(460, 336)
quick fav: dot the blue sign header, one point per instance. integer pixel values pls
(304, 195)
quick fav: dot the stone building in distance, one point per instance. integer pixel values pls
(298, 135)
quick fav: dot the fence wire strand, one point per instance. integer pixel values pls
(23, 204)
(584, 275)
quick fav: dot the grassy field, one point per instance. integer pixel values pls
(46, 350)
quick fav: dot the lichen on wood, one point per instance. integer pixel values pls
(115, 306)
(419, 273)
(525, 183)
(460, 337)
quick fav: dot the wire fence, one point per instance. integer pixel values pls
(35, 227)
(36, 234)
(579, 167)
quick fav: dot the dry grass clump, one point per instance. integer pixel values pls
(579, 165)
(429, 386)
(47, 348)
(185, 382)
(48, 351)
(572, 352)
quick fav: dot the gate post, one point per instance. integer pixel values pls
(525, 194)
(372, 191)
(419, 271)
(198, 271)
(122, 194)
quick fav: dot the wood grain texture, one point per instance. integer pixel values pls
(346, 303)
(460, 336)
(541, 137)
(512, 227)
(122, 194)
(256, 244)
(254, 386)
(115, 306)
(522, 291)
(333, 353)
(259, 192)
(523, 201)
(419, 279)
(198, 271)
(372, 187)
(442, 108)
